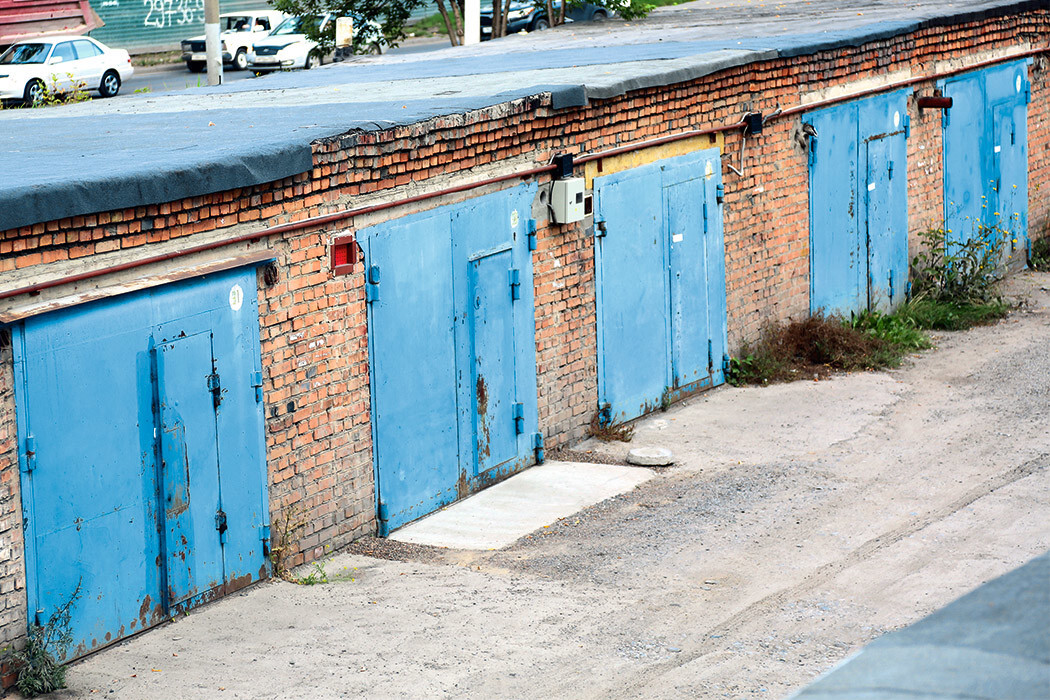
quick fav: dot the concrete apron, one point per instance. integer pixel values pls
(502, 514)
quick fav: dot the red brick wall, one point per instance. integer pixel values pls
(12, 562)
(566, 357)
(1039, 149)
(313, 326)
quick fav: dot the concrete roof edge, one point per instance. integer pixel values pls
(34, 204)
(700, 69)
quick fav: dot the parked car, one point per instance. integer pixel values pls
(238, 31)
(30, 67)
(288, 46)
(528, 17)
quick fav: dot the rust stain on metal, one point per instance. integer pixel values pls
(483, 396)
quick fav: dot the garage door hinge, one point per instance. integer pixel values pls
(257, 383)
(1027, 92)
(812, 150)
(372, 284)
(515, 283)
(726, 363)
(215, 388)
(30, 461)
(705, 217)
(599, 229)
(519, 418)
(265, 537)
(531, 227)
(720, 193)
(907, 126)
(946, 118)
(537, 446)
(220, 525)
(710, 357)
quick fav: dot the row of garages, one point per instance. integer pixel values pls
(140, 418)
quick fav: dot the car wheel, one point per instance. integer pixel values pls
(34, 92)
(599, 16)
(110, 85)
(240, 61)
(195, 66)
(312, 61)
(540, 24)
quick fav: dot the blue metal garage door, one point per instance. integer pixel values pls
(660, 270)
(858, 203)
(452, 351)
(143, 474)
(986, 154)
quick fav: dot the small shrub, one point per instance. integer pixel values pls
(37, 663)
(286, 529)
(608, 430)
(53, 95)
(1039, 255)
(821, 344)
(898, 329)
(959, 272)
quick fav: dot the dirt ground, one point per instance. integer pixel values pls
(800, 522)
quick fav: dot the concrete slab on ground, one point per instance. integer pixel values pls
(502, 514)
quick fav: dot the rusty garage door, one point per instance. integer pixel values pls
(452, 351)
(142, 464)
(661, 293)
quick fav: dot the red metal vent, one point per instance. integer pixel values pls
(344, 255)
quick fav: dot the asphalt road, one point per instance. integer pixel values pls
(167, 78)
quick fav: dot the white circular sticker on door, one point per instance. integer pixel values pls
(236, 297)
(896, 119)
(1017, 83)
(514, 219)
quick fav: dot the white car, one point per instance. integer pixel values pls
(238, 31)
(30, 67)
(288, 47)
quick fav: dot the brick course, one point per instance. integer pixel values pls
(313, 325)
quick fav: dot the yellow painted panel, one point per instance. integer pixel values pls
(644, 156)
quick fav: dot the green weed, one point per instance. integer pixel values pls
(1039, 255)
(608, 430)
(37, 663)
(316, 576)
(952, 316)
(819, 345)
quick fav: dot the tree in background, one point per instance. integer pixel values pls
(377, 23)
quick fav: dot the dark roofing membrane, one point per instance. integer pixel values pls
(993, 644)
(63, 166)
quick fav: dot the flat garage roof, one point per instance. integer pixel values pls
(147, 149)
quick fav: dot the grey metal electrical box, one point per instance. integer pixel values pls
(567, 200)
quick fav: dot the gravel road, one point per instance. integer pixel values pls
(799, 522)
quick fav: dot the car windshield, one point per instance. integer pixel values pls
(26, 53)
(236, 24)
(296, 25)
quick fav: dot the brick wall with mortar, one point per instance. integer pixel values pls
(313, 326)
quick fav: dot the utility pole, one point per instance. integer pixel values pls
(212, 41)
(471, 22)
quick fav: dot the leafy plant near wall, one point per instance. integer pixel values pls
(955, 285)
(287, 529)
(1039, 256)
(37, 662)
(52, 95)
(607, 430)
(952, 271)
(818, 345)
